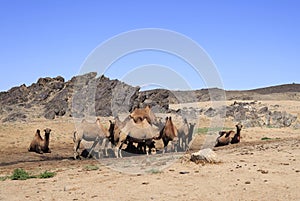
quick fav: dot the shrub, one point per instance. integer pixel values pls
(20, 174)
(154, 171)
(46, 174)
(91, 167)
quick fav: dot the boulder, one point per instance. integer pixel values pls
(204, 155)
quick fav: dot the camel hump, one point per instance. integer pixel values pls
(38, 134)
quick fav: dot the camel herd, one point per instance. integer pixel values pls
(138, 133)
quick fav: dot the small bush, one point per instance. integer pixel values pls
(267, 138)
(154, 171)
(46, 174)
(20, 174)
(91, 167)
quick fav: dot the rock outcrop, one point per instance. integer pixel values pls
(89, 95)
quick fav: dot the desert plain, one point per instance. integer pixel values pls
(265, 165)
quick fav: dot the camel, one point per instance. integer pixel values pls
(183, 135)
(91, 132)
(115, 134)
(40, 145)
(139, 114)
(169, 133)
(141, 133)
(227, 137)
(191, 132)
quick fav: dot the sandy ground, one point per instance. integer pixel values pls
(254, 169)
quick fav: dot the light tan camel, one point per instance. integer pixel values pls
(141, 133)
(183, 135)
(91, 132)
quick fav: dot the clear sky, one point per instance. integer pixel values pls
(253, 43)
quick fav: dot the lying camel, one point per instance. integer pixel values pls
(40, 145)
(90, 132)
(139, 114)
(169, 133)
(227, 137)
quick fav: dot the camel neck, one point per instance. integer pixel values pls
(47, 137)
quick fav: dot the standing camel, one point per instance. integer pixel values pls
(91, 132)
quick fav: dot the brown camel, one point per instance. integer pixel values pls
(169, 133)
(115, 134)
(40, 145)
(227, 137)
(139, 114)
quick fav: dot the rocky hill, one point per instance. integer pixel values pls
(88, 94)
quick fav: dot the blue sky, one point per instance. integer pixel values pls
(252, 43)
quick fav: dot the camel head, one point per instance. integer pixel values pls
(47, 131)
(239, 127)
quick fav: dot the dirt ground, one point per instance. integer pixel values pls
(254, 169)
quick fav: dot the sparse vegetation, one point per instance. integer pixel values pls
(91, 167)
(154, 171)
(20, 174)
(267, 138)
(46, 175)
(205, 130)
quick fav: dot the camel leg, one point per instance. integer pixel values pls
(145, 150)
(76, 147)
(39, 150)
(180, 142)
(93, 146)
(120, 149)
(175, 146)
(187, 143)
(165, 146)
(116, 151)
(105, 143)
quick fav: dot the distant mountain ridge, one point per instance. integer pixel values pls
(277, 89)
(91, 95)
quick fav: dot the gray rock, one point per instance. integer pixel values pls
(204, 155)
(15, 117)
(210, 112)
